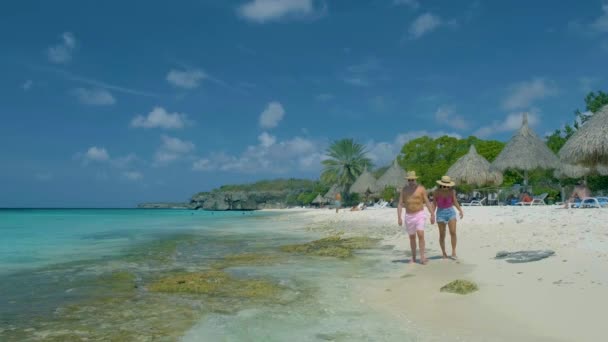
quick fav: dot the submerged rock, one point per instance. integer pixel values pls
(245, 259)
(333, 246)
(460, 287)
(524, 256)
(215, 283)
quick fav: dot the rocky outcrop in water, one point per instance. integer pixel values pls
(239, 200)
(163, 205)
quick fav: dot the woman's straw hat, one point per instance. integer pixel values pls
(446, 181)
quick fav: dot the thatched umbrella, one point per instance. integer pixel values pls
(365, 184)
(319, 200)
(474, 169)
(525, 151)
(394, 177)
(588, 146)
(331, 193)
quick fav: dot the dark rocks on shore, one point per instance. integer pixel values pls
(524, 256)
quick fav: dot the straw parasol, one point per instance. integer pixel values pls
(588, 146)
(394, 177)
(474, 169)
(526, 152)
(365, 184)
(331, 194)
(578, 171)
(319, 200)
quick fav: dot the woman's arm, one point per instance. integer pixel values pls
(456, 204)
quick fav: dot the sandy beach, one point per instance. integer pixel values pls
(560, 298)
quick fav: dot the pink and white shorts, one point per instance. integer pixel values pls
(414, 221)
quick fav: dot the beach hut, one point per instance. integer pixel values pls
(393, 177)
(365, 184)
(525, 152)
(588, 146)
(474, 169)
(319, 200)
(331, 193)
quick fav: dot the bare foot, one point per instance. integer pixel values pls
(412, 261)
(424, 261)
(445, 256)
(454, 256)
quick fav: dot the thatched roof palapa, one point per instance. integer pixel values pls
(474, 169)
(578, 171)
(331, 194)
(588, 146)
(394, 177)
(525, 151)
(366, 183)
(319, 200)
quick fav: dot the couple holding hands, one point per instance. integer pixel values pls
(414, 198)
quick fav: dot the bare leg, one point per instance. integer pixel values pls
(452, 226)
(413, 248)
(441, 226)
(420, 234)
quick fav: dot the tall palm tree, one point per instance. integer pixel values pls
(346, 161)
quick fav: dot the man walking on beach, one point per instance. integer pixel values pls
(414, 198)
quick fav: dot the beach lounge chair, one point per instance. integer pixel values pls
(593, 202)
(475, 203)
(378, 205)
(539, 200)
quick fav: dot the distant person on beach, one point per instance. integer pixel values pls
(444, 201)
(338, 202)
(580, 191)
(414, 198)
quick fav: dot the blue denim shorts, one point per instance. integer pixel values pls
(446, 214)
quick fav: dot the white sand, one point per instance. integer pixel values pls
(561, 298)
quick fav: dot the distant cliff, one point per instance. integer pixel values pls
(267, 194)
(163, 205)
(239, 200)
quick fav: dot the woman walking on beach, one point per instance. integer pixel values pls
(444, 200)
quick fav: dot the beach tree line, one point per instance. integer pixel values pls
(432, 157)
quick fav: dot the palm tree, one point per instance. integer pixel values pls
(346, 161)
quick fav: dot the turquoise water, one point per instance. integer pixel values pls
(86, 275)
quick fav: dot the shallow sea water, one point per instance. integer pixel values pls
(86, 275)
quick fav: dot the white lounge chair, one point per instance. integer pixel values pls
(475, 203)
(378, 205)
(539, 200)
(593, 202)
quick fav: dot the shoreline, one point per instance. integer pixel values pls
(559, 298)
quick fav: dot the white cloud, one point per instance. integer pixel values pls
(446, 116)
(262, 11)
(511, 122)
(365, 73)
(95, 97)
(27, 85)
(523, 94)
(283, 157)
(601, 24)
(98, 154)
(414, 4)
(44, 176)
(160, 118)
(424, 24)
(187, 79)
(62, 52)
(172, 149)
(132, 175)
(324, 97)
(272, 115)
(266, 139)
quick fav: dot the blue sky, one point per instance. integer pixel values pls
(114, 103)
